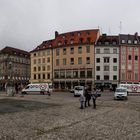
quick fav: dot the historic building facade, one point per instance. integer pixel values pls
(107, 62)
(129, 58)
(66, 61)
(41, 63)
(73, 58)
(14, 65)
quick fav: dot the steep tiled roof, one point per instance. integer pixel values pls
(105, 38)
(14, 51)
(69, 38)
(124, 39)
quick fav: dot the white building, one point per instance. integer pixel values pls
(107, 62)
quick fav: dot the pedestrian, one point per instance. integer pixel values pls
(94, 96)
(82, 100)
(87, 94)
(16, 88)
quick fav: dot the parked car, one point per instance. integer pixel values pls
(120, 93)
(78, 90)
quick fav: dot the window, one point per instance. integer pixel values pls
(114, 50)
(97, 50)
(106, 68)
(72, 50)
(34, 54)
(72, 61)
(106, 50)
(57, 52)
(48, 75)
(82, 74)
(79, 49)
(34, 69)
(48, 68)
(106, 77)
(43, 76)
(68, 74)
(136, 57)
(97, 77)
(43, 53)
(43, 60)
(129, 41)
(88, 60)
(43, 68)
(71, 41)
(38, 76)
(114, 68)
(123, 41)
(64, 51)
(80, 60)
(39, 61)
(135, 42)
(75, 74)
(106, 43)
(62, 74)
(97, 60)
(48, 60)
(57, 62)
(81, 40)
(88, 49)
(106, 59)
(129, 75)
(38, 53)
(114, 77)
(34, 76)
(56, 74)
(114, 60)
(39, 68)
(129, 57)
(48, 52)
(64, 61)
(97, 68)
(114, 42)
(136, 76)
(89, 73)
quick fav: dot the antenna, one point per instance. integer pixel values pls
(120, 27)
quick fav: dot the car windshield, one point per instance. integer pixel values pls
(121, 90)
(78, 88)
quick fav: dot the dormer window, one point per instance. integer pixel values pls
(65, 42)
(114, 43)
(88, 33)
(59, 43)
(71, 41)
(72, 34)
(106, 43)
(81, 40)
(43, 47)
(79, 34)
(123, 41)
(50, 45)
(64, 37)
(88, 39)
(129, 41)
(135, 42)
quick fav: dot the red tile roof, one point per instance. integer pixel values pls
(69, 38)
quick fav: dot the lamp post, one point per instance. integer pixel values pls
(10, 88)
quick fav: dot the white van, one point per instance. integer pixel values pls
(42, 88)
(78, 90)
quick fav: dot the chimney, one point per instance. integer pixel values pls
(56, 34)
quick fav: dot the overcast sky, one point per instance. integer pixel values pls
(25, 24)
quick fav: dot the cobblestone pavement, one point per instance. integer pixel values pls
(58, 117)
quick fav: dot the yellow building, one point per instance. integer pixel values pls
(41, 63)
(73, 58)
(66, 61)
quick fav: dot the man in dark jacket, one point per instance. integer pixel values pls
(87, 94)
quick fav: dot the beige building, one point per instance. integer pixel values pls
(66, 61)
(41, 63)
(73, 58)
(14, 66)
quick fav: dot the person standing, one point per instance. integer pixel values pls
(94, 96)
(82, 101)
(87, 94)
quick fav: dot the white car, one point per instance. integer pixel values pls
(120, 93)
(78, 90)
